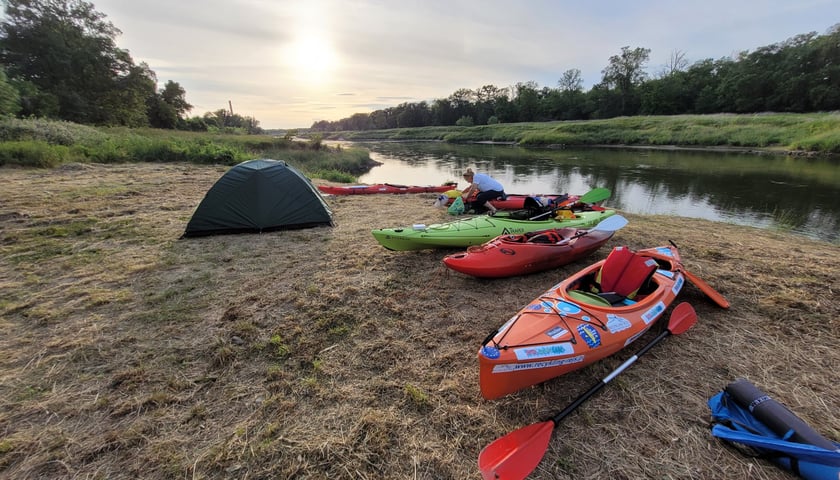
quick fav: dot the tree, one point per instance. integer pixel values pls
(166, 108)
(65, 53)
(676, 63)
(175, 96)
(9, 97)
(624, 73)
(571, 81)
(527, 101)
(462, 103)
(566, 103)
(486, 99)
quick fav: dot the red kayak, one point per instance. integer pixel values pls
(384, 188)
(510, 255)
(515, 201)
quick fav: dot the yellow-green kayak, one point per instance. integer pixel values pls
(477, 230)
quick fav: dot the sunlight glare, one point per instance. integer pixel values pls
(312, 59)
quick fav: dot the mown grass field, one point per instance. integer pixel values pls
(130, 353)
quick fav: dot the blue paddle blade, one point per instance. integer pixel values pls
(611, 224)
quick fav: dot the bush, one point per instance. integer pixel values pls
(465, 121)
(33, 154)
(51, 131)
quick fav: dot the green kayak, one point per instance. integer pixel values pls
(476, 230)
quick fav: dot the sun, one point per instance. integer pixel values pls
(312, 58)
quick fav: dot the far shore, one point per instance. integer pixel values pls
(785, 133)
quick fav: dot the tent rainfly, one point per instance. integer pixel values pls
(259, 196)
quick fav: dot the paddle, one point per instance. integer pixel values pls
(593, 196)
(704, 287)
(515, 455)
(610, 224)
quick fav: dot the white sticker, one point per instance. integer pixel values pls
(513, 367)
(544, 351)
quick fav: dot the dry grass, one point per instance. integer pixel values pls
(128, 353)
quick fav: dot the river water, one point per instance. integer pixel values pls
(796, 194)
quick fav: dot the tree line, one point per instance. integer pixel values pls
(801, 74)
(59, 60)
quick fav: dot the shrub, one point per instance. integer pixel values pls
(465, 121)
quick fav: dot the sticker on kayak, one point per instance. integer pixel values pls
(509, 231)
(653, 313)
(589, 335)
(678, 284)
(561, 306)
(544, 351)
(616, 324)
(665, 251)
(513, 367)
(666, 273)
(557, 332)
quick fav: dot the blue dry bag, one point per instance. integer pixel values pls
(744, 415)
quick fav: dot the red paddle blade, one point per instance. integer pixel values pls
(707, 289)
(682, 318)
(517, 454)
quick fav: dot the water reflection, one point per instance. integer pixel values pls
(767, 191)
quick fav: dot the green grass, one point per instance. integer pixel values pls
(813, 132)
(48, 144)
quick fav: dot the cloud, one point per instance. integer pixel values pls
(382, 53)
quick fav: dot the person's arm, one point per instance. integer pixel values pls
(468, 191)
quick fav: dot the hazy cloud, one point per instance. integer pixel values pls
(289, 64)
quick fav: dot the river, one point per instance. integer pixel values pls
(796, 194)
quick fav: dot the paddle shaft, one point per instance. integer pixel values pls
(593, 196)
(616, 222)
(597, 387)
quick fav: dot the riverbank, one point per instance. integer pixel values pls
(772, 132)
(129, 353)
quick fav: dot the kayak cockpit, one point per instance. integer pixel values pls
(624, 278)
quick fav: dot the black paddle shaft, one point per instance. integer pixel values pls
(595, 388)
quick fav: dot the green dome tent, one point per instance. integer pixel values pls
(259, 196)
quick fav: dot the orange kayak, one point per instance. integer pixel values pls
(570, 326)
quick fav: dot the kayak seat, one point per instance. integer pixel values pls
(588, 297)
(622, 275)
(515, 238)
(549, 236)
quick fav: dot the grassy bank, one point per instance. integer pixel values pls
(47, 144)
(128, 353)
(819, 132)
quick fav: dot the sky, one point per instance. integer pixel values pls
(291, 63)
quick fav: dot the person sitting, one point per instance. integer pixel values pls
(484, 188)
